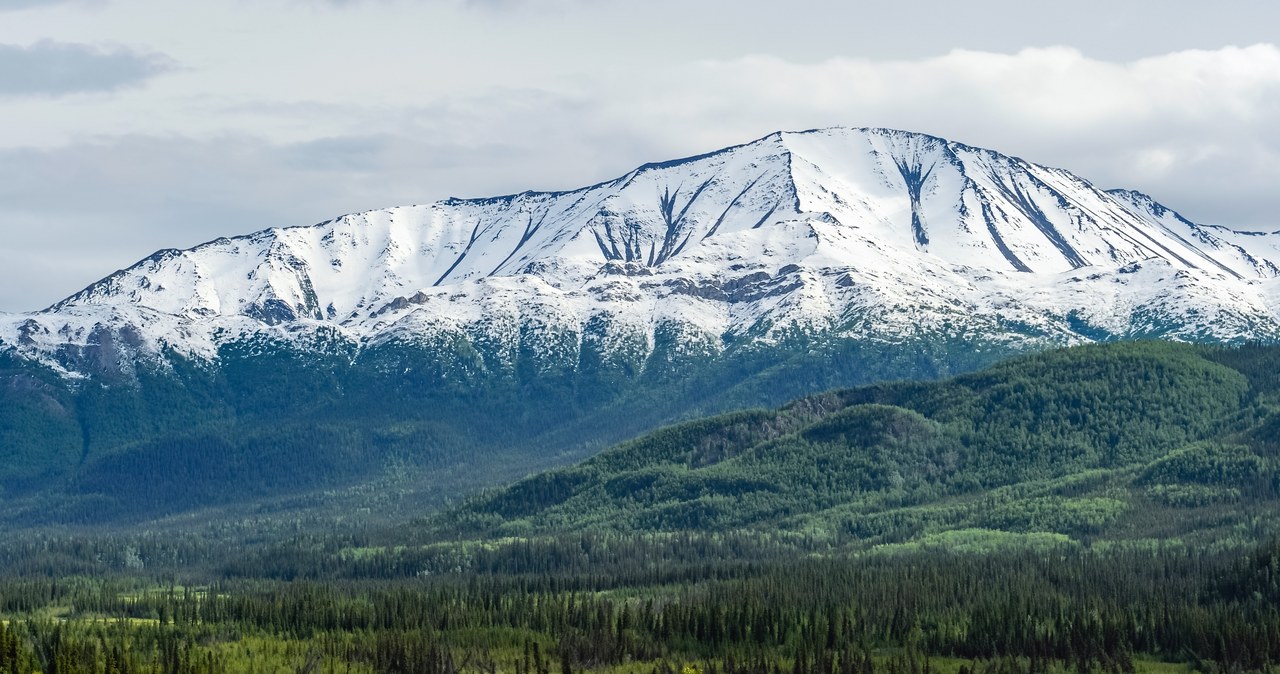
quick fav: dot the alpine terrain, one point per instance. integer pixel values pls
(475, 339)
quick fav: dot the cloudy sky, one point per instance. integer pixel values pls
(132, 125)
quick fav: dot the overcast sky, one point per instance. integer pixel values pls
(127, 126)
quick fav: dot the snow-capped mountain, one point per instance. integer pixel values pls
(864, 233)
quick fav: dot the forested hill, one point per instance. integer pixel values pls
(1120, 441)
(1034, 463)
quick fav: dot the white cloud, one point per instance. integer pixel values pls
(1164, 124)
(1197, 129)
(54, 69)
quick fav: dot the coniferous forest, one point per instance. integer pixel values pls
(1123, 610)
(1097, 509)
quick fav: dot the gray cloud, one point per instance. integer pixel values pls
(74, 214)
(1194, 129)
(11, 5)
(53, 68)
(817, 29)
(461, 3)
(78, 213)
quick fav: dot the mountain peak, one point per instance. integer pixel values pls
(859, 231)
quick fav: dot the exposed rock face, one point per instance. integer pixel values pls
(852, 232)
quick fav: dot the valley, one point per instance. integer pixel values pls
(843, 401)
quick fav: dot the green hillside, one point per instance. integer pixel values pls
(1121, 441)
(329, 430)
(1105, 509)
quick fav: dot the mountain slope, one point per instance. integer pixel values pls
(467, 342)
(1115, 441)
(863, 232)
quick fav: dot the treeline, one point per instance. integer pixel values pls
(273, 418)
(1013, 612)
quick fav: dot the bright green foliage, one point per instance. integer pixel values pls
(964, 601)
(1097, 441)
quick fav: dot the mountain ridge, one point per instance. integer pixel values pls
(459, 344)
(858, 231)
